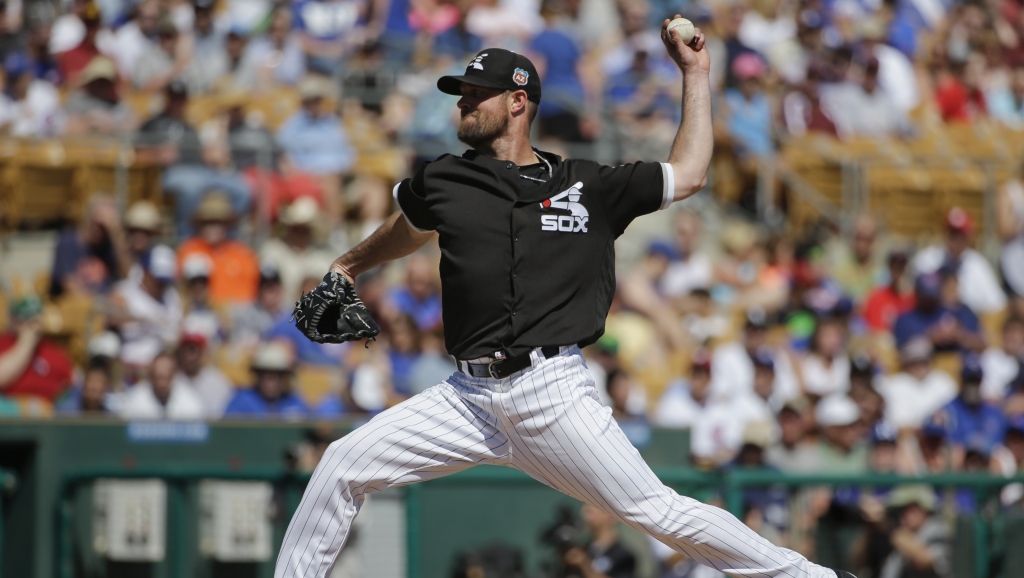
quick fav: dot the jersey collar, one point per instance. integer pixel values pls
(525, 194)
(554, 160)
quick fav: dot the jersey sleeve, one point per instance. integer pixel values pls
(410, 195)
(636, 189)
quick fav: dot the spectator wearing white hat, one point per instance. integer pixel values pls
(296, 252)
(148, 309)
(921, 541)
(142, 223)
(273, 366)
(95, 106)
(918, 390)
(160, 396)
(98, 392)
(841, 449)
(202, 316)
(794, 451)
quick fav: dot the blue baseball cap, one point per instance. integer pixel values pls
(971, 368)
(928, 285)
(1015, 423)
(161, 263)
(935, 426)
(17, 63)
(666, 250)
(883, 432)
(763, 358)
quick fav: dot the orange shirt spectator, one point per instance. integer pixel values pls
(234, 268)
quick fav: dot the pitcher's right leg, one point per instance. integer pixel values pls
(428, 436)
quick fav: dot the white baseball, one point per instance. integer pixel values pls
(683, 28)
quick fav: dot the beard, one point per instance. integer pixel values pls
(478, 130)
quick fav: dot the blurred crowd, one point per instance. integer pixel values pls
(800, 351)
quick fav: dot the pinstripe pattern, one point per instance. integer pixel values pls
(546, 421)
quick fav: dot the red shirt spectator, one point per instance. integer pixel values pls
(30, 365)
(957, 101)
(72, 62)
(885, 304)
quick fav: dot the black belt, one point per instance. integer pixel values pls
(502, 368)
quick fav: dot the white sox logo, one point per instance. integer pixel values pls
(576, 222)
(477, 62)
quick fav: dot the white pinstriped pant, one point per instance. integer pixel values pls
(546, 421)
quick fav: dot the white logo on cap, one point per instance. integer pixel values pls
(477, 62)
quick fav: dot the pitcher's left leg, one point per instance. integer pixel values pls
(564, 437)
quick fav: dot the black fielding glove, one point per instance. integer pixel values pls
(332, 313)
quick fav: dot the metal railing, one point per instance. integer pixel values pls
(729, 484)
(983, 487)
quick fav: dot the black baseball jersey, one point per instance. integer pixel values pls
(527, 257)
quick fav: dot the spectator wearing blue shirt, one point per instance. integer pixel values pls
(270, 395)
(557, 57)
(1006, 103)
(91, 258)
(331, 406)
(970, 423)
(95, 396)
(635, 425)
(458, 42)
(315, 142)
(419, 298)
(404, 351)
(748, 113)
(948, 329)
(314, 138)
(324, 26)
(398, 37)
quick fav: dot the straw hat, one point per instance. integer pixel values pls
(303, 211)
(272, 356)
(143, 215)
(99, 68)
(215, 206)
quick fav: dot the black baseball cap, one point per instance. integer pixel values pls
(496, 68)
